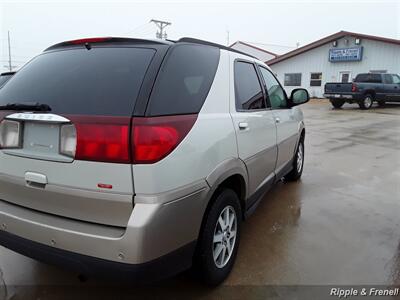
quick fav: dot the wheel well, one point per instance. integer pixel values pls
(303, 134)
(370, 92)
(237, 184)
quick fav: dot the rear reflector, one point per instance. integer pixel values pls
(10, 134)
(104, 186)
(155, 137)
(102, 138)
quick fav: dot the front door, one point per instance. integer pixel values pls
(344, 76)
(286, 124)
(392, 87)
(254, 126)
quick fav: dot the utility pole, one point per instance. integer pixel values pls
(9, 53)
(160, 34)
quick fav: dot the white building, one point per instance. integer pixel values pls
(252, 50)
(335, 58)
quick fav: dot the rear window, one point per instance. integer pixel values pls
(100, 81)
(184, 80)
(370, 78)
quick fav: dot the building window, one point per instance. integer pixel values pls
(292, 79)
(315, 79)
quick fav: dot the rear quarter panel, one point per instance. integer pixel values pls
(210, 142)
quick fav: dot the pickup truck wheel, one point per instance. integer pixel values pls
(367, 102)
(219, 239)
(337, 103)
(298, 163)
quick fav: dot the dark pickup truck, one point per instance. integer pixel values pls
(364, 90)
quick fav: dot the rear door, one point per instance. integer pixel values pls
(286, 123)
(254, 125)
(74, 160)
(392, 87)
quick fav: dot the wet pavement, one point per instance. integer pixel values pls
(339, 225)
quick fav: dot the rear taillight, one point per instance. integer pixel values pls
(10, 134)
(111, 139)
(99, 138)
(155, 137)
(354, 88)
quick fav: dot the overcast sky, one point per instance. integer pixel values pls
(34, 25)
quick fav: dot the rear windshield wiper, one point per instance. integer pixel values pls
(26, 106)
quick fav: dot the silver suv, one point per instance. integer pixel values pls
(141, 157)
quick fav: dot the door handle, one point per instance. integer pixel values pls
(243, 125)
(277, 120)
(35, 180)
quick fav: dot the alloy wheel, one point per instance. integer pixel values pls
(224, 237)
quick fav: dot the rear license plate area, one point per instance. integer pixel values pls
(40, 141)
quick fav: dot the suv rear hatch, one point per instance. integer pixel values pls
(65, 133)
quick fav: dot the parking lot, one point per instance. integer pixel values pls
(339, 225)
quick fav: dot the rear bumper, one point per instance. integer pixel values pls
(351, 97)
(162, 267)
(159, 226)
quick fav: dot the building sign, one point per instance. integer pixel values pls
(345, 54)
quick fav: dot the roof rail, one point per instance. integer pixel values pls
(8, 73)
(202, 42)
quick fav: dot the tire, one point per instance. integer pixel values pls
(337, 103)
(214, 271)
(381, 103)
(298, 163)
(367, 102)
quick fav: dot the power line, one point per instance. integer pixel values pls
(10, 65)
(139, 28)
(276, 45)
(160, 34)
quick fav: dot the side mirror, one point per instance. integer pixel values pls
(299, 96)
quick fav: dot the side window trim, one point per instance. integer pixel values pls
(259, 81)
(264, 87)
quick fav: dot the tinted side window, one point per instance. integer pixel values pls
(376, 78)
(370, 78)
(388, 78)
(248, 92)
(100, 81)
(184, 80)
(276, 94)
(361, 78)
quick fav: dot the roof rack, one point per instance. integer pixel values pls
(106, 40)
(89, 41)
(202, 42)
(8, 73)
